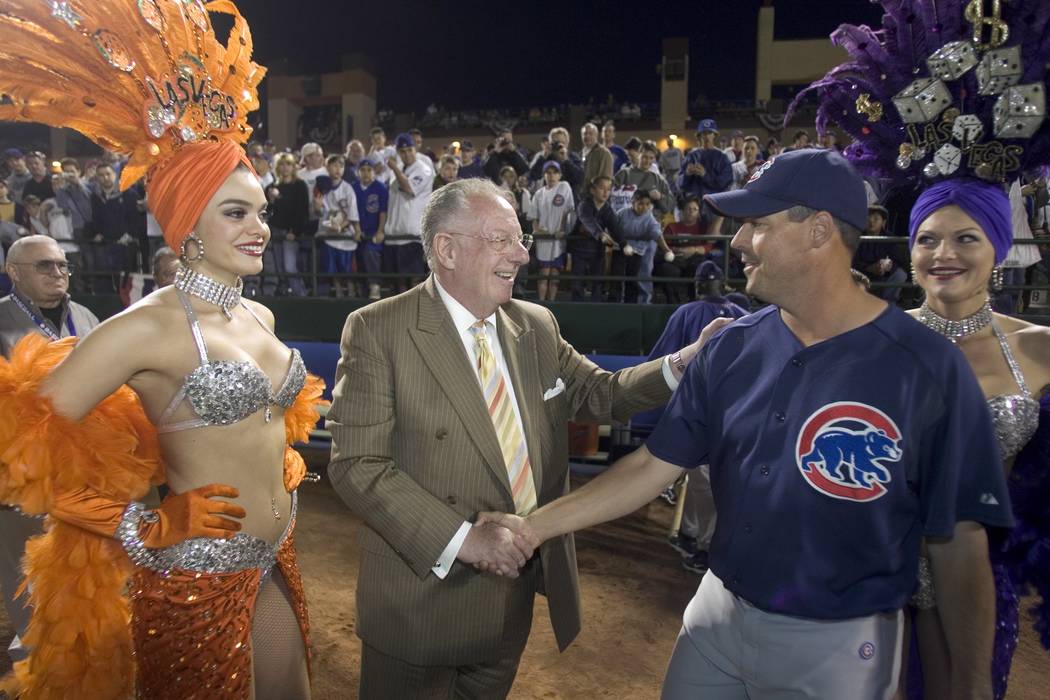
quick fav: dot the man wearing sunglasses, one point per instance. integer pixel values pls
(40, 303)
(451, 399)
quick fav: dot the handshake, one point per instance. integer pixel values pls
(499, 543)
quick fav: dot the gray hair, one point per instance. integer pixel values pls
(448, 203)
(17, 252)
(850, 233)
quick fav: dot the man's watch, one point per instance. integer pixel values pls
(676, 361)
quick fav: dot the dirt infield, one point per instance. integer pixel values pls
(633, 593)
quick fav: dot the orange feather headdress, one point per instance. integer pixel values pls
(139, 77)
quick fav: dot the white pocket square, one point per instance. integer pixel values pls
(558, 388)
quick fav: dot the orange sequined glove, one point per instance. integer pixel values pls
(180, 517)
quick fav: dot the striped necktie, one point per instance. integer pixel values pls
(508, 431)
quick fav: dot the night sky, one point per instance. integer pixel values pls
(488, 54)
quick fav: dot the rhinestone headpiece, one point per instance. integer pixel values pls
(956, 330)
(137, 77)
(207, 289)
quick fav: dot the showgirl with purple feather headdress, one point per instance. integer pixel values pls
(950, 96)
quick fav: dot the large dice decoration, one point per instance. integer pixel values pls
(947, 159)
(999, 70)
(952, 60)
(1019, 111)
(922, 100)
(967, 129)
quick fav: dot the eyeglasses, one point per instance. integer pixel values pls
(500, 245)
(44, 267)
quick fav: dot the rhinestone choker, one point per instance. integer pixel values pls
(956, 330)
(212, 291)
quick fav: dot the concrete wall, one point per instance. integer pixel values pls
(354, 90)
(797, 62)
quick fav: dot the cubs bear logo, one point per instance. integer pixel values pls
(844, 451)
(372, 204)
(558, 200)
(761, 169)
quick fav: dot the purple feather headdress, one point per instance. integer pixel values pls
(946, 88)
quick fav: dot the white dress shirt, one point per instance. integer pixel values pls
(463, 320)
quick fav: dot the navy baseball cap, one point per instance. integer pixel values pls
(709, 270)
(366, 161)
(707, 125)
(404, 141)
(13, 153)
(815, 178)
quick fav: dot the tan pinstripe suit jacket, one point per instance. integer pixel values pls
(414, 454)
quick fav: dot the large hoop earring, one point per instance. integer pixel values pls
(200, 249)
(997, 278)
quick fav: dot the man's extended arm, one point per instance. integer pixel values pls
(965, 590)
(626, 486)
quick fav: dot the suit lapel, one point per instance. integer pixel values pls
(442, 352)
(519, 350)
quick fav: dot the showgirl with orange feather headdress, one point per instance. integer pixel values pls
(86, 427)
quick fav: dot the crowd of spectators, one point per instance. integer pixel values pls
(347, 224)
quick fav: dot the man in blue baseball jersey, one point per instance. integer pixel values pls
(839, 434)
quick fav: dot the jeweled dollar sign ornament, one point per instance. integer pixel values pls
(998, 30)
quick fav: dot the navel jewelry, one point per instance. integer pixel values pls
(212, 291)
(200, 249)
(273, 507)
(956, 330)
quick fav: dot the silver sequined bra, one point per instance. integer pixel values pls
(223, 392)
(1016, 416)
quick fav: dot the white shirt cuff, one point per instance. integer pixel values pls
(672, 383)
(444, 562)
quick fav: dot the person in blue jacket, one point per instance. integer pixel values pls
(706, 170)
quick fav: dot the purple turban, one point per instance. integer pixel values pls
(984, 202)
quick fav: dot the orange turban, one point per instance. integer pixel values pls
(186, 182)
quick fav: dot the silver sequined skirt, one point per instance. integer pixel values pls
(924, 597)
(209, 555)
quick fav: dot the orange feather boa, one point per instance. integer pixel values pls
(79, 632)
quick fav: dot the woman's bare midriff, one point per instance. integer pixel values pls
(248, 455)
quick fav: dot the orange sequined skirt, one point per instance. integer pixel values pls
(192, 630)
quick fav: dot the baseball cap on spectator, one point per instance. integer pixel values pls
(879, 208)
(633, 144)
(552, 164)
(404, 140)
(13, 153)
(814, 178)
(309, 148)
(708, 270)
(366, 163)
(466, 146)
(324, 184)
(737, 132)
(706, 125)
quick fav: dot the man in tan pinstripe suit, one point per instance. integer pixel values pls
(416, 455)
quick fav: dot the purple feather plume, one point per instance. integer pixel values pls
(883, 62)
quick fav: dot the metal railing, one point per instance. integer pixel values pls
(316, 280)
